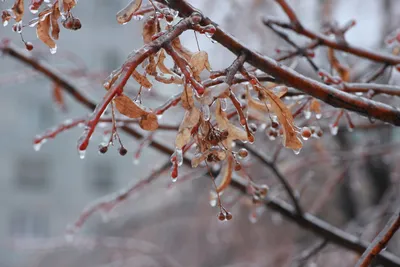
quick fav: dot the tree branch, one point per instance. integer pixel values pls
(326, 93)
(380, 242)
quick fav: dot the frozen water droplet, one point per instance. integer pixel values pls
(253, 217)
(359, 93)
(179, 156)
(38, 145)
(159, 116)
(70, 234)
(209, 35)
(53, 50)
(296, 151)
(205, 109)
(334, 129)
(5, 23)
(224, 104)
(82, 154)
(137, 17)
(136, 161)
(307, 114)
(173, 179)
(304, 137)
(213, 199)
(318, 116)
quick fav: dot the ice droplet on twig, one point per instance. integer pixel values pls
(205, 110)
(334, 129)
(82, 154)
(179, 156)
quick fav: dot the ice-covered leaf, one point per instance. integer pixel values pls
(5, 17)
(129, 108)
(160, 63)
(187, 97)
(149, 29)
(190, 120)
(290, 135)
(54, 16)
(198, 62)
(149, 122)
(141, 79)
(234, 132)
(177, 45)
(58, 96)
(43, 28)
(225, 175)
(18, 10)
(125, 15)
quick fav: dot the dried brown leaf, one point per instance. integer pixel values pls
(68, 4)
(5, 17)
(55, 28)
(290, 136)
(199, 62)
(187, 97)
(315, 106)
(149, 122)
(160, 63)
(125, 15)
(18, 10)
(177, 45)
(129, 108)
(149, 29)
(58, 96)
(43, 28)
(226, 174)
(141, 79)
(190, 120)
(234, 132)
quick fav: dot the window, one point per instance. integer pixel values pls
(101, 175)
(31, 173)
(29, 223)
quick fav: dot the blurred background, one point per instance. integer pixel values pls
(42, 192)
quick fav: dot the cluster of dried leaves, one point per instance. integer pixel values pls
(208, 125)
(47, 27)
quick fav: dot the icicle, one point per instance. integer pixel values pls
(205, 110)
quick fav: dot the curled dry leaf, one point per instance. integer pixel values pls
(290, 136)
(199, 62)
(141, 79)
(179, 48)
(187, 97)
(55, 28)
(43, 28)
(67, 5)
(160, 63)
(315, 106)
(226, 174)
(149, 29)
(190, 120)
(255, 104)
(149, 122)
(125, 15)
(18, 10)
(129, 108)
(217, 91)
(5, 17)
(234, 132)
(58, 96)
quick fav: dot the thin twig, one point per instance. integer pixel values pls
(380, 242)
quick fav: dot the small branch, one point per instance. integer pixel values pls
(280, 177)
(107, 203)
(234, 68)
(297, 27)
(380, 242)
